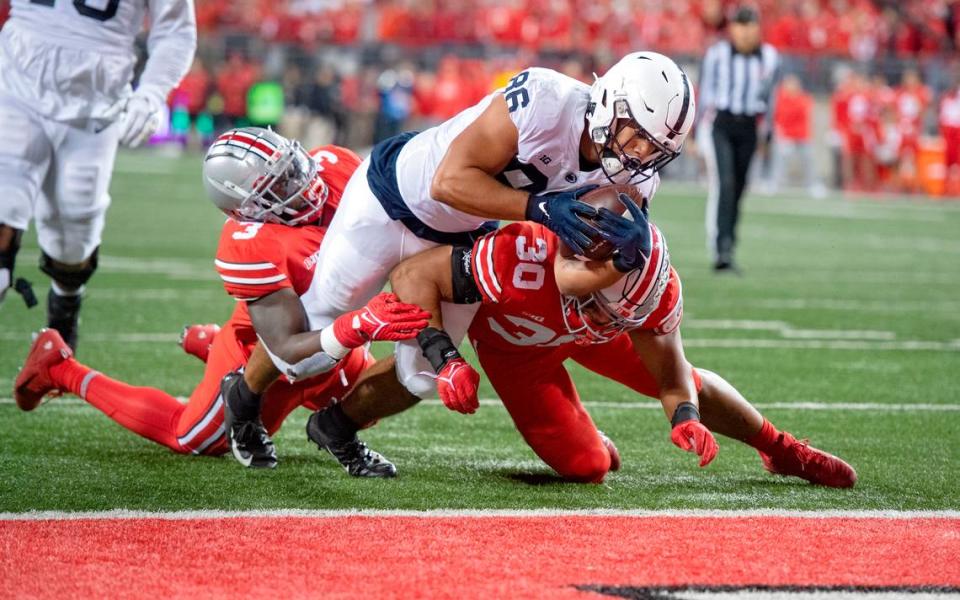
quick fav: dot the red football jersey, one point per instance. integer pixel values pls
(335, 165)
(522, 306)
(257, 259)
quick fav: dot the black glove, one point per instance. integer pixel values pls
(561, 213)
(631, 238)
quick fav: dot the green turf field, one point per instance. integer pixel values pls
(851, 302)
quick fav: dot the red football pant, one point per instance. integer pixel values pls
(197, 426)
(544, 404)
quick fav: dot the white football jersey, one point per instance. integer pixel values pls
(548, 109)
(71, 60)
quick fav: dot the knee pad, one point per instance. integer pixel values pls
(73, 278)
(421, 386)
(414, 371)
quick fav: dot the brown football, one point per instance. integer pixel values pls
(605, 197)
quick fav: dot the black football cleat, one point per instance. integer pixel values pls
(352, 454)
(249, 441)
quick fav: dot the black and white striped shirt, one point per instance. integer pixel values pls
(742, 84)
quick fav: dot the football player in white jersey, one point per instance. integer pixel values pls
(525, 152)
(65, 103)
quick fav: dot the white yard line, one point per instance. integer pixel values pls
(478, 514)
(841, 344)
(786, 329)
(648, 405)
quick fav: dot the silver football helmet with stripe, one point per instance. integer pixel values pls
(256, 174)
(650, 93)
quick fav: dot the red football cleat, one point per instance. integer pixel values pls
(34, 381)
(800, 459)
(197, 339)
(612, 449)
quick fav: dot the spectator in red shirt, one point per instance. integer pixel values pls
(950, 130)
(194, 89)
(792, 126)
(839, 136)
(911, 104)
(233, 82)
(451, 90)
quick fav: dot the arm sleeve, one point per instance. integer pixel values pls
(465, 290)
(171, 43)
(706, 94)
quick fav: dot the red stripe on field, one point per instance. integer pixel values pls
(360, 556)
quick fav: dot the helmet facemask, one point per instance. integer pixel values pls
(585, 319)
(289, 192)
(614, 159)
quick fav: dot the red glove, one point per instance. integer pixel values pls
(384, 318)
(457, 384)
(692, 436)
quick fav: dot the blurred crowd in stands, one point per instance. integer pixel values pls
(353, 72)
(859, 29)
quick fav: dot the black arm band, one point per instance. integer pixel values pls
(465, 290)
(437, 347)
(686, 411)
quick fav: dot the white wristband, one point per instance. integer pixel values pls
(331, 345)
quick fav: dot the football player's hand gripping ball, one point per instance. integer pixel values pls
(384, 318)
(563, 214)
(631, 238)
(457, 384)
(138, 117)
(691, 435)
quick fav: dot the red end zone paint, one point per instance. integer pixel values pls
(377, 556)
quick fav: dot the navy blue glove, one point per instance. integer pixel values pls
(631, 238)
(563, 214)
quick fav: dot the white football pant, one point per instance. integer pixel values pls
(59, 175)
(360, 248)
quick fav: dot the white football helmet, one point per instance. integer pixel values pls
(651, 93)
(255, 174)
(603, 315)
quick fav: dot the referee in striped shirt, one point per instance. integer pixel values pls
(736, 94)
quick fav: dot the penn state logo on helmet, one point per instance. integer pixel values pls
(651, 94)
(255, 174)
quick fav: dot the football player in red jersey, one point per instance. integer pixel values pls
(615, 317)
(280, 199)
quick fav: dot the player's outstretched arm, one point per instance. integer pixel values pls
(427, 279)
(664, 358)
(281, 324)
(577, 277)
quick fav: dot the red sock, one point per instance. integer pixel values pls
(765, 439)
(148, 412)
